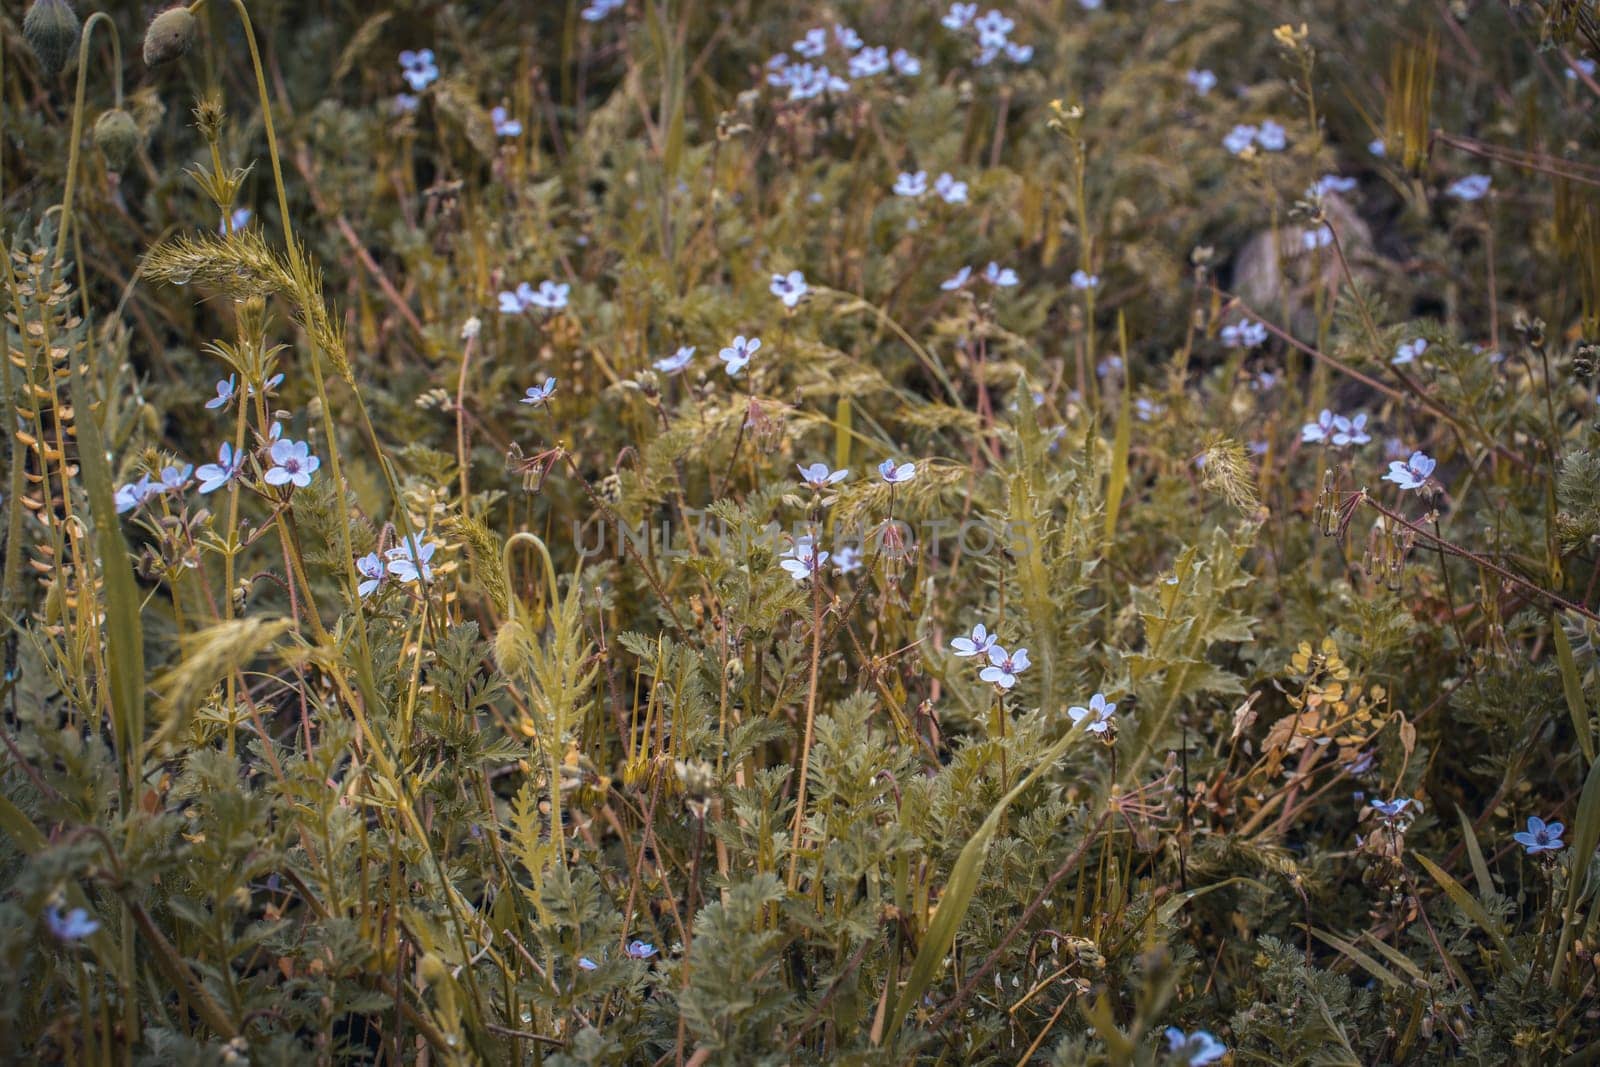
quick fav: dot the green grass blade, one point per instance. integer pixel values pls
(1573, 688)
(1585, 836)
(1470, 906)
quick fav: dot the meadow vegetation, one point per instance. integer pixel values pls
(876, 532)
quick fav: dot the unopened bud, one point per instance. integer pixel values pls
(169, 37)
(52, 32)
(117, 136)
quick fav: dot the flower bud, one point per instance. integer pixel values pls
(117, 136)
(52, 32)
(169, 37)
(513, 646)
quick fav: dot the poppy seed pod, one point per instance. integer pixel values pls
(170, 36)
(52, 32)
(117, 136)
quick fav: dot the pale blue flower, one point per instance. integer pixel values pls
(1377, 147)
(976, 643)
(1082, 279)
(818, 476)
(516, 301)
(538, 395)
(803, 560)
(75, 925)
(1201, 81)
(409, 567)
(1240, 138)
(134, 494)
(293, 464)
(737, 355)
(214, 476)
(897, 474)
(790, 288)
(268, 387)
(950, 190)
(1586, 66)
(1018, 53)
(1413, 473)
(238, 220)
(599, 9)
(1098, 713)
(1247, 333)
(1091, 5)
(1271, 137)
(1193, 1050)
(640, 950)
(993, 28)
(1472, 187)
(1350, 431)
(1407, 351)
(586, 963)
(418, 69)
(956, 280)
(813, 44)
(905, 64)
(911, 183)
(173, 479)
(1332, 183)
(847, 560)
(371, 568)
(869, 62)
(405, 103)
(1540, 836)
(1319, 431)
(550, 296)
(1318, 237)
(504, 124)
(959, 16)
(1004, 666)
(1391, 809)
(995, 274)
(846, 38)
(226, 390)
(676, 362)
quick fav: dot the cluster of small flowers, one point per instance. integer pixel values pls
(1337, 430)
(992, 31)
(400, 561)
(1269, 137)
(1003, 666)
(996, 275)
(914, 184)
(805, 559)
(1246, 333)
(806, 79)
(550, 297)
(292, 465)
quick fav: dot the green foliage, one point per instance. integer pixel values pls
(542, 731)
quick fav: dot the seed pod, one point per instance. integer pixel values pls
(117, 136)
(52, 32)
(169, 37)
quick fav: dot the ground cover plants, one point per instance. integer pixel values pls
(643, 532)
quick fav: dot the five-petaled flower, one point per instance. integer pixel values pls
(1193, 1050)
(136, 493)
(75, 925)
(1004, 666)
(1392, 809)
(847, 560)
(1098, 713)
(818, 476)
(1540, 836)
(897, 473)
(538, 395)
(409, 567)
(640, 950)
(791, 288)
(949, 189)
(1082, 279)
(803, 560)
(1413, 473)
(911, 183)
(418, 69)
(173, 479)
(977, 643)
(214, 476)
(292, 464)
(737, 355)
